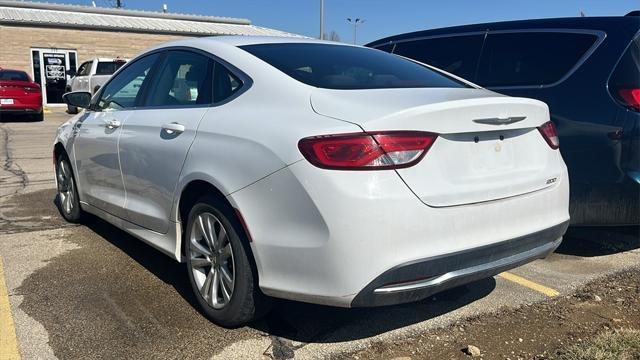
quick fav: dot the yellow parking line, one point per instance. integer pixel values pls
(46, 111)
(8, 340)
(530, 284)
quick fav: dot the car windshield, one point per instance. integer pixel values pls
(348, 67)
(13, 75)
(108, 68)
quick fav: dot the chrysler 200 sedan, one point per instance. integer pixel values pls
(313, 171)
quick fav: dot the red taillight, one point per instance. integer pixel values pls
(631, 97)
(367, 151)
(550, 134)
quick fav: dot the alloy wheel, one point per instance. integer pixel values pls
(66, 189)
(211, 260)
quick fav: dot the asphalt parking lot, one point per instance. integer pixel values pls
(92, 291)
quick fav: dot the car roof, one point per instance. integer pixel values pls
(627, 24)
(237, 41)
(104, 59)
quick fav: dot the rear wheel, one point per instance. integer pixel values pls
(219, 267)
(67, 199)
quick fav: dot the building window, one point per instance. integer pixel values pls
(35, 55)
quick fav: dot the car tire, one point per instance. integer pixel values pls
(219, 266)
(67, 199)
(71, 109)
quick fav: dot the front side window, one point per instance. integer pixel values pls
(123, 90)
(530, 58)
(458, 55)
(347, 67)
(185, 79)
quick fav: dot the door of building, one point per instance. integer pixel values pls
(51, 69)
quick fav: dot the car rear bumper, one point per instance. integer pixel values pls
(324, 236)
(440, 273)
(22, 109)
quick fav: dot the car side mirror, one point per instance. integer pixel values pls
(80, 99)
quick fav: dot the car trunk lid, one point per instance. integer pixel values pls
(16, 89)
(488, 146)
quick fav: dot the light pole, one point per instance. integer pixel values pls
(355, 23)
(321, 19)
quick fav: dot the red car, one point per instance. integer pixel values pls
(19, 94)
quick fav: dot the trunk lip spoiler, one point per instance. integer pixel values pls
(499, 120)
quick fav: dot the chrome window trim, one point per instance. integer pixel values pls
(246, 80)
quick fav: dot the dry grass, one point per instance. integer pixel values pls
(619, 345)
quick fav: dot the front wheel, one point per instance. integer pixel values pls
(219, 266)
(67, 197)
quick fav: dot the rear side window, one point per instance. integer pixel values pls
(343, 67)
(225, 83)
(12, 75)
(108, 67)
(626, 77)
(530, 58)
(458, 55)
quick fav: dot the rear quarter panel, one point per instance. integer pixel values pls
(254, 135)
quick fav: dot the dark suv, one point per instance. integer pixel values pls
(586, 69)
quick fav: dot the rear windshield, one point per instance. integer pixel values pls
(13, 75)
(346, 67)
(627, 73)
(108, 68)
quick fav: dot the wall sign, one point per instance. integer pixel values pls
(54, 66)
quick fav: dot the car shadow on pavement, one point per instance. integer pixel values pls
(300, 321)
(308, 323)
(163, 267)
(16, 118)
(589, 241)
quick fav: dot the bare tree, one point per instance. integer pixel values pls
(332, 37)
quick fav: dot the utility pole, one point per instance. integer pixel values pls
(321, 19)
(355, 23)
(118, 4)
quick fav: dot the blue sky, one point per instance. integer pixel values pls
(382, 18)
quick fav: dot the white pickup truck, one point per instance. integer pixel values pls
(91, 75)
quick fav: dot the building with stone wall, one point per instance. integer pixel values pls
(32, 33)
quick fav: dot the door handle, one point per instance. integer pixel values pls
(112, 124)
(173, 128)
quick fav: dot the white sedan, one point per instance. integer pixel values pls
(313, 171)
